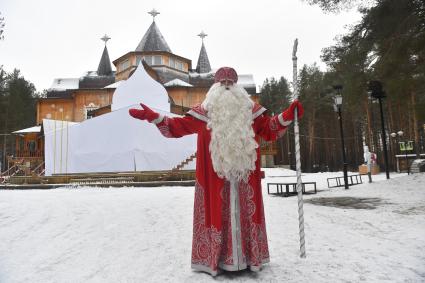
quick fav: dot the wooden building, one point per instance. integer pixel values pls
(78, 99)
(74, 99)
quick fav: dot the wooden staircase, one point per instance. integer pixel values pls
(179, 167)
(12, 171)
(38, 170)
(19, 168)
(184, 163)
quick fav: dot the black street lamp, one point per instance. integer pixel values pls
(338, 105)
(397, 148)
(376, 92)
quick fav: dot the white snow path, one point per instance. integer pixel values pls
(145, 234)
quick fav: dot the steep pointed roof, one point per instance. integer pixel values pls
(203, 65)
(153, 40)
(104, 68)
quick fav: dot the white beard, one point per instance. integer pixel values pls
(233, 145)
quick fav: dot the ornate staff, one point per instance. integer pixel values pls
(297, 154)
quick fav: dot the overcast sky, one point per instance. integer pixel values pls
(47, 39)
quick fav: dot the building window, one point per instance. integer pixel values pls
(89, 114)
(89, 111)
(176, 64)
(31, 147)
(179, 65)
(148, 60)
(124, 65)
(157, 60)
(171, 63)
(21, 144)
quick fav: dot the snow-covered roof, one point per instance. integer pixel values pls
(243, 79)
(246, 80)
(177, 82)
(203, 75)
(89, 74)
(115, 84)
(93, 74)
(65, 83)
(35, 129)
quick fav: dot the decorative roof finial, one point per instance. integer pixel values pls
(203, 65)
(202, 35)
(153, 13)
(105, 38)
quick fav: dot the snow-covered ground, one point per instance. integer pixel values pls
(144, 234)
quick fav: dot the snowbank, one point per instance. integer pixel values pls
(144, 235)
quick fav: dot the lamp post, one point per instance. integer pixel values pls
(376, 92)
(396, 136)
(338, 105)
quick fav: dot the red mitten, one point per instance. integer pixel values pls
(143, 114)
(289, 113)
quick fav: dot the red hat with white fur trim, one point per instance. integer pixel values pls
(226, 74)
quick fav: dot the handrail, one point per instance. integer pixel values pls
(184, 162)
(15, 165)
(36, 168)
(6, 177)
(29, 153)
(14, 173)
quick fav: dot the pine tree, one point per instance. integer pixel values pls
(275, 94)
(275, 97)
(387, 45)
(17, 107)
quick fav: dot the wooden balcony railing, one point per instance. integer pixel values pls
(28, 153)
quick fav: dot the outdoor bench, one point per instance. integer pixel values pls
(352, 180)
(290, 188)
